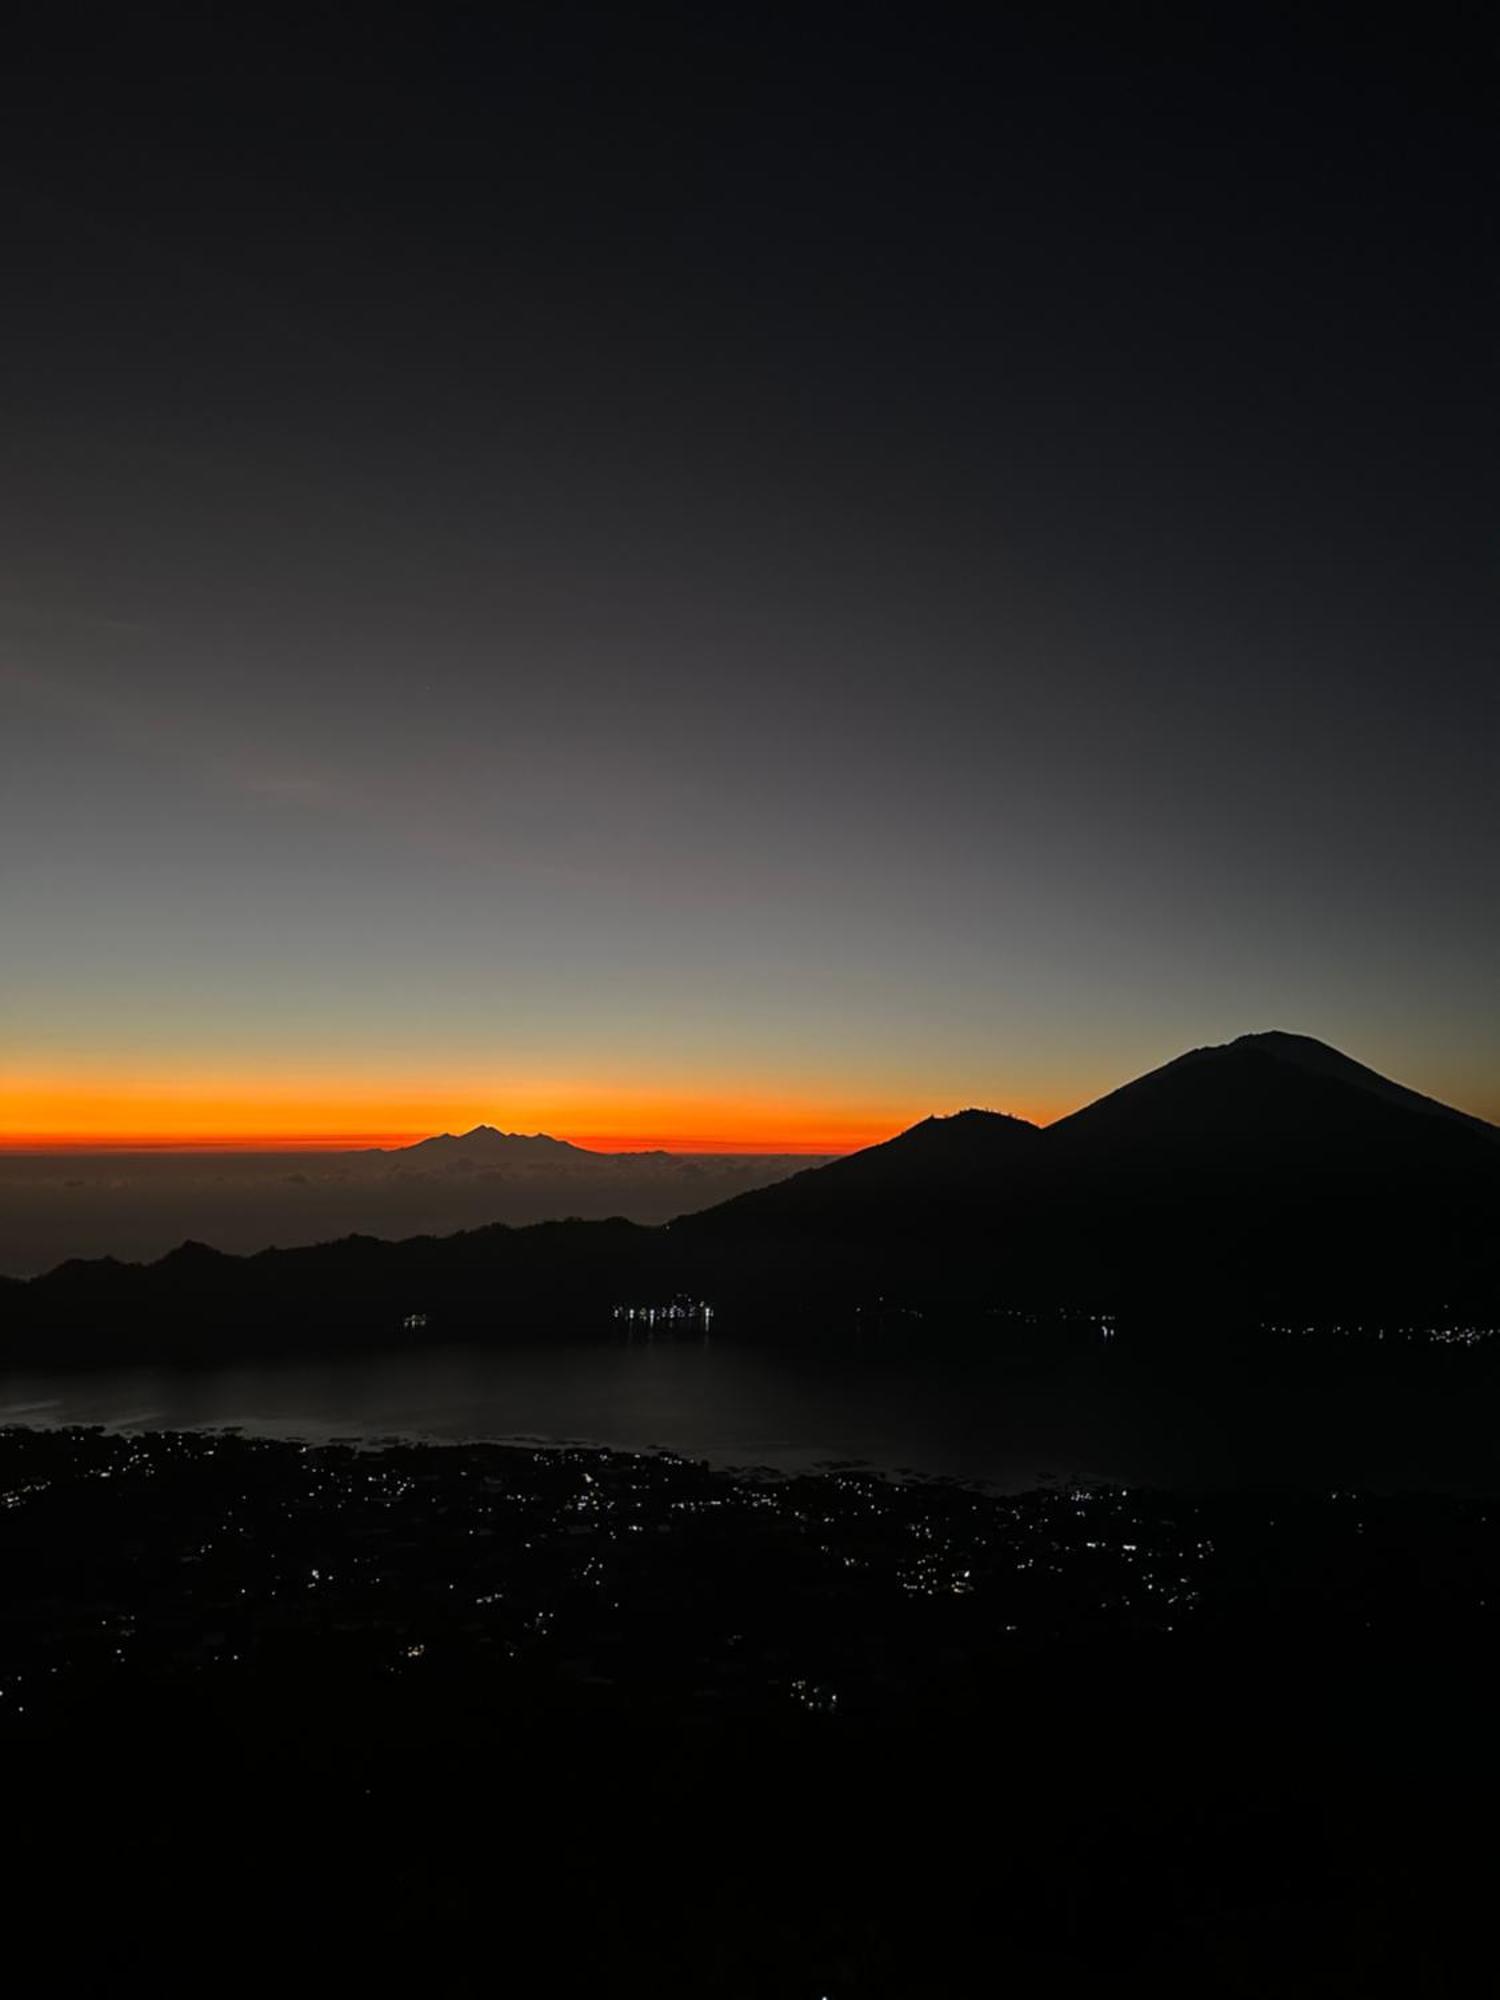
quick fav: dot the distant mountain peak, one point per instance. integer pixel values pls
(191, 1255)
(485, 1140)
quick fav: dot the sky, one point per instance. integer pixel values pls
(734, 578)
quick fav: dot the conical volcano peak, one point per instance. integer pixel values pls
(1278, 1044)
(1305, 1050)
(1281, 1041)
(1258, 1084)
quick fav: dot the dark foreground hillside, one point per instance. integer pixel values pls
(477, 1719)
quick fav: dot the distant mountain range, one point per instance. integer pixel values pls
(137, 1205)
(485, 1146)
(1271, 1174)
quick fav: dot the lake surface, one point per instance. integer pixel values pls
(1093, 1414)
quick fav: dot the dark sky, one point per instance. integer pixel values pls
(713, 573)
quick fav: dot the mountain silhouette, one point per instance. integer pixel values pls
(947, 1164)
(1271, 1169)
(486, 1146)
(1276, 1168)
(1276, 1097)
(920, 1201)
(1269, 1175)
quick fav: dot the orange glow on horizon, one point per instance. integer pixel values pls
(176, 1114)
(351, 1142)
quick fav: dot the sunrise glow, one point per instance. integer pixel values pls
(227, 1113)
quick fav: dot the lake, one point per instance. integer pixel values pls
(1094, 1413)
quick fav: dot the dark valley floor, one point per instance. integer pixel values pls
(476, 1717)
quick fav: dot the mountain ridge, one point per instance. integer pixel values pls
(487, 1141)
(1261, 1176)
(1271, 1167)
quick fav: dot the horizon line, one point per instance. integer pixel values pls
(628, 1144)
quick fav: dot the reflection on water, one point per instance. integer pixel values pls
(733, 1406)
(1093, 1415)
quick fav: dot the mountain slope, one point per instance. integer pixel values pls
(947, 1164)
